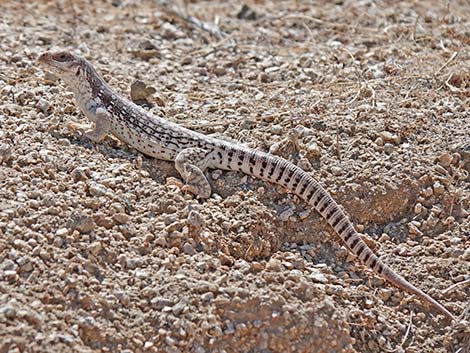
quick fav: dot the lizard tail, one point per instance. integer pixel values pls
(335, 217)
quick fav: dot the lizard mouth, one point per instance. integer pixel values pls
(46, 60)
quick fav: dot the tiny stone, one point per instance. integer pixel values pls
(284, 216)
(121, 218)
(391, 138)
(43, 105)
(61, 232)
(273, 265)
(418, 208)
(177, 309)
(445, 159)
(466, 255)
(427, 192)
(379, 141)
(438, 188)
(385, 294)
(189, 249)
(208, 296)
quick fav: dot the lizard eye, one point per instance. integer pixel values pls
(78, 72)
(63, 57)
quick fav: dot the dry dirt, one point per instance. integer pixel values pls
(99, 253)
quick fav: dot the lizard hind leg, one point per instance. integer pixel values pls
(191, 163)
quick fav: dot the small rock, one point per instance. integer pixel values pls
(438, 188)
(61, 232)
(81, 222)
(385, 294)
(388, 148)
(427, 192)
(418, 208)
(466, 255)
(43, 105)
(389, 137)
(445, 159)
(220, 71)
(208, 296)
(160, 302)
(141, 93)
(178, 308)
(96, 189)
(284, 216)
(274, 265)
(5, 152)
(195, 219)
(246, 13)
(318, 277)
(170, 341)
(8, 265)
(8, 311)
(121, 218)
(78, 174)
(313, 149)
(187, 60)
(170, 32)
(188, 249)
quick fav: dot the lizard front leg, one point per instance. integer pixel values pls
(191, 163)
(97, 133)
(102, 126)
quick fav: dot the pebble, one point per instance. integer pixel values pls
(466, 255)
(418, 208)
(43, 105)
(427, 192)
(121, 218)
(274, 265)
(208, 296)
(390, 137)
(189, 249)
(445, 159)
(170, 32)
(96, 189)
(284, 216)
(438, 188)
(384, 294)
(81, 222)
(8, 311)
(5, 152)
(178, 308)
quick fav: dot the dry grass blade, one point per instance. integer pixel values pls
(210, 28)
(455, 285)
(454, 55)
(407, 332)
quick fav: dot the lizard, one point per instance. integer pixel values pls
(193, 153)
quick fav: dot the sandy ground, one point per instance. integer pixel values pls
(99, 253)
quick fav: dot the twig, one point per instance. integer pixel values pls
(350, 54)
(452, 88)
(413, 35)
(309, 32)
(454, 55)
(445, 291)
(408, 329)
(211, 28)
(356, 96)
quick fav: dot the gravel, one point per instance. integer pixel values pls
(99, 250)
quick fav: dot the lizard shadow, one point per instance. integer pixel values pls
(226, 185)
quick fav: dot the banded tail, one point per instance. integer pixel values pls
(282, 172)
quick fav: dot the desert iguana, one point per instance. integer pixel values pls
(193, 153)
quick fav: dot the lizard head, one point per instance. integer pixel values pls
(72, 69)
(61, 63)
